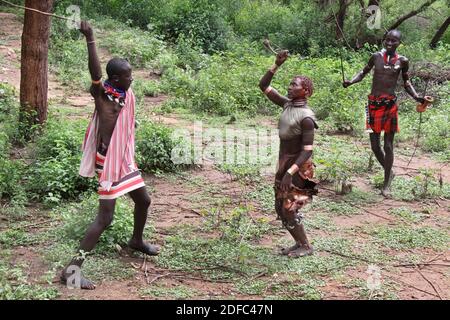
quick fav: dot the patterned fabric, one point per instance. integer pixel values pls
(119, 160)
(382, 114)
(303, 187)
(129, 183)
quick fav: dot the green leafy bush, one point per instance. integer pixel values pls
(11, 185)
(76, 218)
(54, 175)
(154, 146)
(68, 56)
(15, 285)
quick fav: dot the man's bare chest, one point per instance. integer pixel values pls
(387, 71)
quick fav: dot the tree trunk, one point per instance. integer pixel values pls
(439, 33)
(341, 18)
(34, 63)
(411, 14)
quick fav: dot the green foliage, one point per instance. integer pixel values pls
(9, 118)
(139, 47)
(11, 171)
(407, 214)
(236, 225)
(68, 56)
(403, 237)
(228, 85)
(386, 292)
(11, 174)
(154, 145)
(146, 88)
(338, 208)
(265, 196)
(16, 237)
(15, 285)
(338, 160)
(204, 21)
(245, 173)
(54, 175)
(189, 54)
(288, 24)
(422, 186)
(76, 217)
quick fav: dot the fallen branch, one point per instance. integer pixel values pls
(406, 265)
(350, 257)
(414, 287)
(159, 277)
(431, 284)
(352, 204)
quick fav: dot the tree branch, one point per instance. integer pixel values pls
(411, 14)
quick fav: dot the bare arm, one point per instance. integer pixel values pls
(264, 84)
(94, 62)
(407, 83)
(362, 74)
(308, 127)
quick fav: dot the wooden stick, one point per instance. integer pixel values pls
(37, 11)
(431, 284)
(414, 287)
(158, 277)
(342, 32)
(361, 208)
(421, 264)
(266, 43)
(349, 257)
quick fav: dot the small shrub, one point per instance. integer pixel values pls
(154, 146)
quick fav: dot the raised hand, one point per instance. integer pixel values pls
(281, 57)
(420, 100)
(86, 30)
(346, 83)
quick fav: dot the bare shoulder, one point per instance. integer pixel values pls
(377, 55)
(96, 90)
(404, 61)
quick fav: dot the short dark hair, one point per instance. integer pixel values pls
(307, 84)
(116, 66)
(398, 33)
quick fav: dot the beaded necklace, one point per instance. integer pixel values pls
(115, 94)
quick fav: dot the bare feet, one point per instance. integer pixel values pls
(301, 251)
(85, 284)
(143, 247)
(386, 192)
(285, 251)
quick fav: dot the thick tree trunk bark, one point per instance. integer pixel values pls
(34, 63)
(440, 33)
(343, 4)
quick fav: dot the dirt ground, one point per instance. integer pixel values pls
(427, 281)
